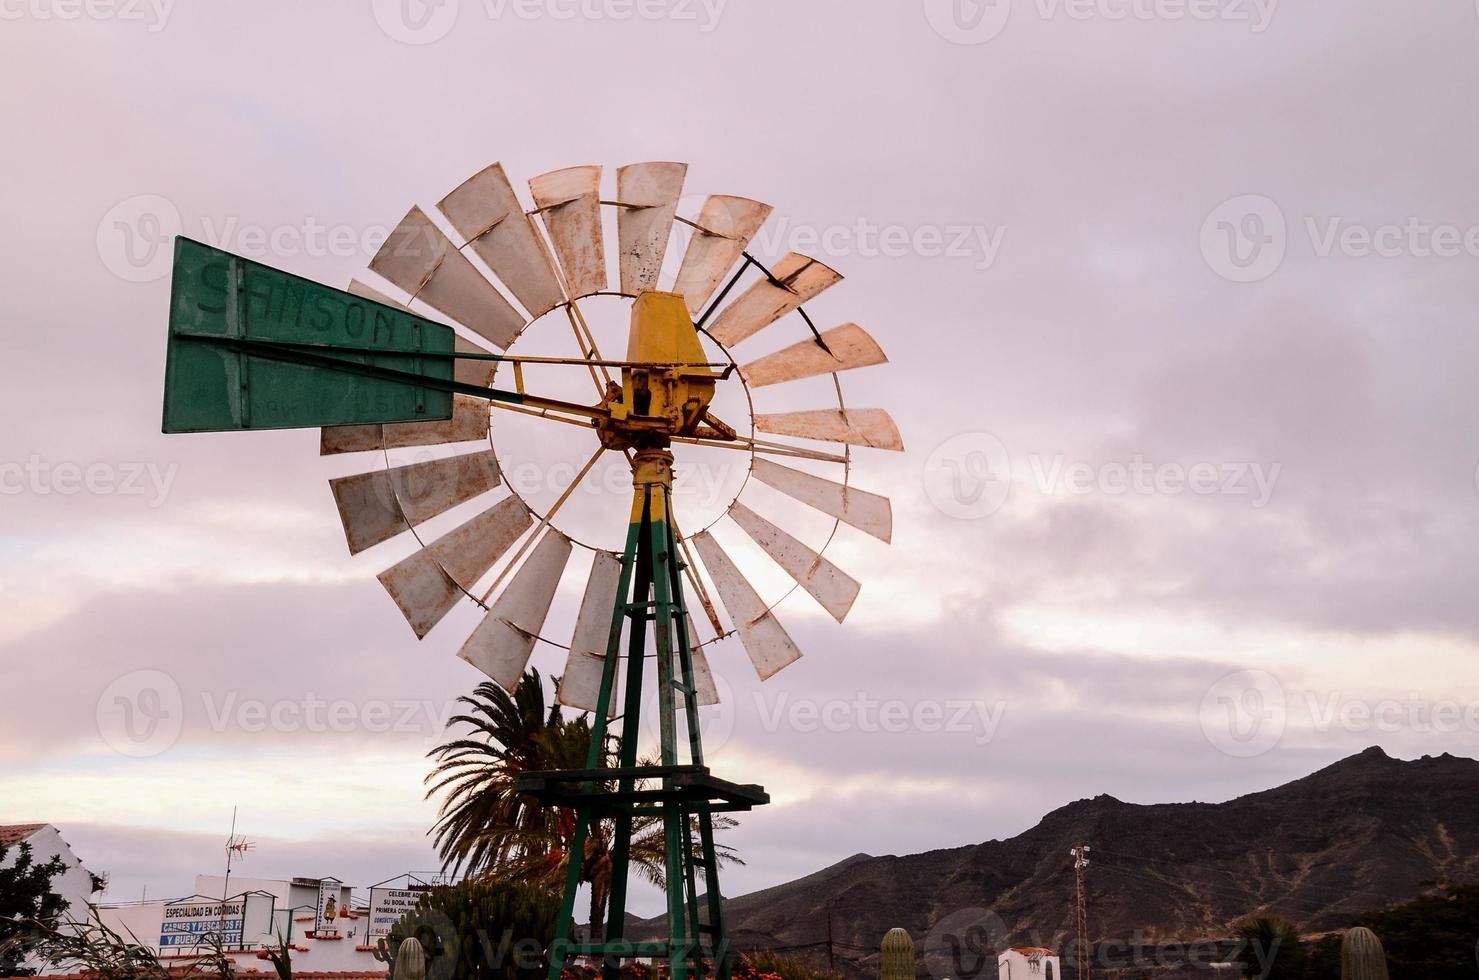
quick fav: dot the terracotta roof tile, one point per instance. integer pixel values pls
(14, 833)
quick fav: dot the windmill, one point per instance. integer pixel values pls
(378, 370)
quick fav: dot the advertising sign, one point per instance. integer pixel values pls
(190, 922)
(388, 905)
(330, 894)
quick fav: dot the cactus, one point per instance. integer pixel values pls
(410, 961)
(1361, 956)
(896, 956)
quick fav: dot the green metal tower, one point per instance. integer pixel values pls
(682, 794)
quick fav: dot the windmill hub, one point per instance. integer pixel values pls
(666, 388)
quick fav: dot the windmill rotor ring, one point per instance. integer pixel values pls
(543, 260)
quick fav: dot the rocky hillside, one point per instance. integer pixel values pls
(1360, 834)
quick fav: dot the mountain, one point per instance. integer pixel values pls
(1358, 835)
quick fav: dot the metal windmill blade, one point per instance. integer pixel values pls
(502, 644)
(469, 423)
(378, 505)
(569, 203)
(765, 640)
(855, 426)
(847, 347)
(705, 690)
(580, 683)
(487, 213)
(794, 280)
(647, 198)
(833, 588)
(420, 259)
(428, 584)
(721, 234)
(868, 512)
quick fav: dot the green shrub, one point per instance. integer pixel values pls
(481, 929)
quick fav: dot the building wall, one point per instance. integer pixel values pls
(293, 917)
(75, 884)
(1013, 965)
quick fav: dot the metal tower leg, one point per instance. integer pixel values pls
(685, 796)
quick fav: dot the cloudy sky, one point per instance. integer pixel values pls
(1179, 299)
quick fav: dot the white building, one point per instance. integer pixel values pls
(76, 885)
(1029, 963)
(318, 917)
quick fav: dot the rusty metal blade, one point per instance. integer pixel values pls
(471, 372)
(856, 426)
(487, 214)
(358, 288)
(501, 645)
(420, 259)
(829, 585)
(337, 439)
(569, 202)
(865, 511)
(469, 422)
(850, 346)
(703, 676)
(798, 279)
(378, 505)
(725, 226)
(427, 584)
(580, 684)
(648, 194)
(765, 640)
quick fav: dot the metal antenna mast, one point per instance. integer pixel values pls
(234, 845)
(1081, 915)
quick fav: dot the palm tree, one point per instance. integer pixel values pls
(485, 828)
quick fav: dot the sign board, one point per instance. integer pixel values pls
(196, 920)
(251, 347)
(330, 895)
(388, 905)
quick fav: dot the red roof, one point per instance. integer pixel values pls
(14, 833)
(1024, 950)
